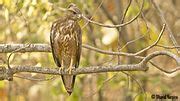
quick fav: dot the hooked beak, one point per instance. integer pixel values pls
(79, 16)
(71, 9)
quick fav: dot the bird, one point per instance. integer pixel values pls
(66, 42)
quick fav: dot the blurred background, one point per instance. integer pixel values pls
(29, 21)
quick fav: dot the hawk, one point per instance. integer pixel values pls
(65, 38)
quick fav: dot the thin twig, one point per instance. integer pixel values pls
(157, 53)
(132, 41)
(102, 85)
(160, 12)
(166, 71)
(47, 48)
(143, 16)
(8, 62)
(93, 14)
(120, 28)
(125, 12)
(155, 43)
(167, 47)
(106, 52)
(119, 25)
(35, 79)
(108, 15)
(128, 54)
(139, 84)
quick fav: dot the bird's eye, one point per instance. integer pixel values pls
(74, 12)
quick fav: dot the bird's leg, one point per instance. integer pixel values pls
(62, 66)
(70, 66)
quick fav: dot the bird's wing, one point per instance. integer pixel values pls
(79, 43)
(52, 36)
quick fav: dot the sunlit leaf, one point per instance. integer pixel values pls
(20, 4)
(6, 14)
(7, 3)
(30, 11)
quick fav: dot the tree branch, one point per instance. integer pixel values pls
(7, 74)
(5, 48)
(119, 25)
(160, 12)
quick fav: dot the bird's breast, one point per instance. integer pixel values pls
(67, 38)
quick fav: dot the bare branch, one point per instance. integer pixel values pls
(108, 15)
(35, 79)
(167, 47)
(107, 52)
(157, 53)
(7, 48)
(8, 73)
(160, 12)
(138, 83)
(93, 14)
(132, 41)
(120, 25)
(125, 12)
(155, 43)
(166, 71)
(8, 63)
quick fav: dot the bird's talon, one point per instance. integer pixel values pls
(73, 68)
(69, 70)
(61, 69)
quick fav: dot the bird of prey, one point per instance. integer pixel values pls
(65, 38)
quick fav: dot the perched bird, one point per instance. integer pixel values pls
(65, 38)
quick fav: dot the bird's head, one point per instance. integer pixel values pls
(74, 11)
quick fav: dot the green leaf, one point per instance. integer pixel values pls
(2, 84)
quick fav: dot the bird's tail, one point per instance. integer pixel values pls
(68, 81)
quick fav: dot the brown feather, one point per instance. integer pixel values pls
(66, 43)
